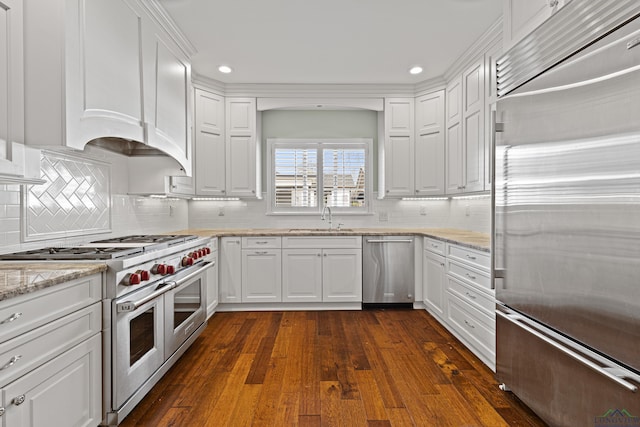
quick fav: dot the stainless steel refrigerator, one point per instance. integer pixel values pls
(567, 216)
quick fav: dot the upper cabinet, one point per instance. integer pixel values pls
(522, 17)
(17, 163)
(104, 68)
(429, 161)
(398, 146)
(241, 147)
(210, 158)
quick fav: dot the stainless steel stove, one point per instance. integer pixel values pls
(154, 307)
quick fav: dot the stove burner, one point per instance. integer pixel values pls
(74, 253)
(151, 239)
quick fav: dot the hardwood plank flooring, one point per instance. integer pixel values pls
(372, 368)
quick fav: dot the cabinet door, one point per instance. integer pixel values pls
(302, 275)
(473, 127)
(399, 116)
(167, 85)
(67, 391)
(398, 153)
(212, 286)
(210, 160)
(262, 275)
(241, 146)
(11, 82)
(434, 283)
(104, 97)
(522, 17)
(342, 275)
(230, 283)
(453, 140)
(429, 147)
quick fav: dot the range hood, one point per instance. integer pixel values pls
(126, 147)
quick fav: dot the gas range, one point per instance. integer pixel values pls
(134, 261)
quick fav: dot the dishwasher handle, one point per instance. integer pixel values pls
(390, 241)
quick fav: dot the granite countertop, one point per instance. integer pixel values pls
(18, 278)
(470, 239)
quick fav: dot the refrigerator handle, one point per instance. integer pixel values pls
(496, 271)
(610, 370)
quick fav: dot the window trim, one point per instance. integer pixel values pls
(319, 144)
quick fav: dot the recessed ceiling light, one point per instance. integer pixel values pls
(224, 69)
(415, 70)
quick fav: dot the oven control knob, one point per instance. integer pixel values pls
(187, 261)
(132, 279)
(207, 250)
(171, 269)
(194, 255)
(202, 252)
(160, 269)
(144, 275)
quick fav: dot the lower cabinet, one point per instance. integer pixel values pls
(302, 275)
(66, 391)
(261, 275)
(230, 256)
(342, 275)
(434, 283)
(51, 356)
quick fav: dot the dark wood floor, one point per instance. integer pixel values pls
(334, 368)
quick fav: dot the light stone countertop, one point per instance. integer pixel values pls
(19, 278)
(470, 239)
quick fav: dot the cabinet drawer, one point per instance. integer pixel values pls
(433, 245)
(475, 298)
(28, 351)
(322, 242)
(476, 328)
(481, 260)
(272, 242)
(38, 308)
(468, 274)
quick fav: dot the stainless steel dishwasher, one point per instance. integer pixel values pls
(388, 274)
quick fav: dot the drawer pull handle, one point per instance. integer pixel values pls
(261, 243)
(434, 246)
(471, 257)
(18, 400)
(470, 295)
(261, 252)
(11, 362)
(471, 276)
(14, 316)
(469, 324)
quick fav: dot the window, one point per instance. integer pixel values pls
(307, 175)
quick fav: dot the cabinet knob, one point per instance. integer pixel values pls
(18, 400)
(1, 411)
(553, 3)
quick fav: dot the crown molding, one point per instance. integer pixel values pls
(428, 86)
(320, 90)
(206, 83)
(162, 18)
(491, 36)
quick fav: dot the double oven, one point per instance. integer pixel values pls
(154, 308)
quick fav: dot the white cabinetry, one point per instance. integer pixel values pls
(520, 17)
(465, 131)
(104, 68)
(17, 162)
(332, 269)
(261, 275)
(230, 256)
(212, 280)
(470, 301)
(241, 147)
(52, 356)
(399, 146)
(210, 157)
(434, 277)
(429, 145)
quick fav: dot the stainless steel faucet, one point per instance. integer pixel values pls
(322, 217)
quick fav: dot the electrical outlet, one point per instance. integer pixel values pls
(423, 210)
(383, 216)
(171, 210)
(221, 212)
(467, 210)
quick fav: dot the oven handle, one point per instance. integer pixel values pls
(128, 306)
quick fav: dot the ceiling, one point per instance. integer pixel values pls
(330, 41)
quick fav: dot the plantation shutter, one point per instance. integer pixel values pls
(296, 177)
(343, 177)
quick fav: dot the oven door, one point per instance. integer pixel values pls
(138, 341)
(185, 306)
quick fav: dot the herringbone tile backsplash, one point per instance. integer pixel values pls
(74, 201)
